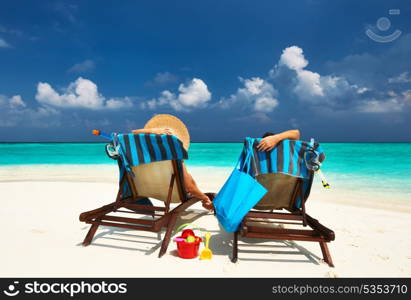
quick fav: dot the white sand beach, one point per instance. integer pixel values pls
(42, 235)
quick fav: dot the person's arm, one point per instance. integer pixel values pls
(192, 188)
(269, 142)
(152, 130)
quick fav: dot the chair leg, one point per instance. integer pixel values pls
(326, 254)
(90, 234)
(235, 248)
(167, 236)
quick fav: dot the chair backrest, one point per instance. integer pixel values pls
(282, 171)
(153, 180)
(149, 161)
(281, 191)
(284, 191)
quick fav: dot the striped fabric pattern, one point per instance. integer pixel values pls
(137, 149)
(143, 148)
(125, 189)
(287, 158)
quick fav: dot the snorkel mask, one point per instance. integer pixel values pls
(313, 161)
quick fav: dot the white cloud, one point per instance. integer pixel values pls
(82, 93)
(4, 44)
(293, 58)
(83, 67)
(119, 103)
(254, 86)
(193, 95)
(402, 78)
(14, 112)
(257, 93)
(166, 98)
(308, 83)
(291, 73)
(13, 103)
(374, 70)
(16, 101)
(375, 106)
(291, 77)
(265, 104)
(395, 103)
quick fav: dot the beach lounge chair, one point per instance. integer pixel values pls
(150, 166)
(283, 172)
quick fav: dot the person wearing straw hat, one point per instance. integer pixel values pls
(169, 124)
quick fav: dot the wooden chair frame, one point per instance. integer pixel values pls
(162, 216)
(318, 232)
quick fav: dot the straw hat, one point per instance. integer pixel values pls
(175, 125)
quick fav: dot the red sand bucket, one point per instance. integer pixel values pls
(186, 249)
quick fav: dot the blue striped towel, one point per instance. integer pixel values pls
(144, 148)
(286, 158)
(138, 149)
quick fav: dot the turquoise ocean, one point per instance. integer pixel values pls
(384, 168)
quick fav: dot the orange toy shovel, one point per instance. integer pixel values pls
(206, 253)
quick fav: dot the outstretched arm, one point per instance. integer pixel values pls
(269, 142)
(192, 188)
(152, 130)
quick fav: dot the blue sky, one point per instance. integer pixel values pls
(229, 69)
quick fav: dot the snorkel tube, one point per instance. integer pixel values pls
(312, 161)
(112, 149)
(323, 179)
(101, 133)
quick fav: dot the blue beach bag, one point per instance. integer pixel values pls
(240, 193)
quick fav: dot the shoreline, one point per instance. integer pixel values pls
(210, 179)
